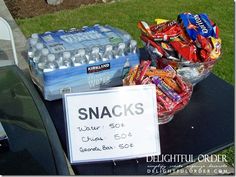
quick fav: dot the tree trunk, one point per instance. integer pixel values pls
(54, 2)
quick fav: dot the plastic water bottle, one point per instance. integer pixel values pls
(37, 53)
(61, 31)
(48, 32)
(84, 28)
(94, 55)
(72, 29)
(35, 36)
(108, 55)
(59, 59)
(126, 68)
(67, 62)
(126, 37)
(120, 50)
(31, 48)
(80, 57)
(51, 63)
(43, 58)
(133, 46)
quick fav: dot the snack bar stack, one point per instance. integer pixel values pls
(190, 44)
(172, 91)
(76, 60)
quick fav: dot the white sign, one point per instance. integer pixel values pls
(119, 123)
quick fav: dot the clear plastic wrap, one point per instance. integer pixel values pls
(91, 58)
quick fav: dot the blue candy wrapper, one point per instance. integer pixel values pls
(198, 24)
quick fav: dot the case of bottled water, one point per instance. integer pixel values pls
(76, 60)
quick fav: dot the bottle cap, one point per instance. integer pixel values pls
(52, 66)
(45, 51)
(95, 50)
(81, 52)
(39, 46)
(73, 29)
(67, 63)
(127, 36)
(35, 36)
(108, 47)
(33, 41)
(41, 66)
(121, 45)
(133, 43)
(91, 61)
(51, 57)
(66, 54)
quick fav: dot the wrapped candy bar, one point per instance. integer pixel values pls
(164, 31)
(191, 44)
(172, 91)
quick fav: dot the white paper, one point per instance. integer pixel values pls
(123, 125)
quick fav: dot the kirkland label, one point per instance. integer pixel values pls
(97, 68)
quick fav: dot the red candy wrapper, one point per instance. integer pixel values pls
(180, 83)
(157, 48)
(147, 80)
(185, 50)
(204, 43)
(142, 68)
(164, 100)
(166, 31)
(161, 32)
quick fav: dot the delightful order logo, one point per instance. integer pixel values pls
(207, 164)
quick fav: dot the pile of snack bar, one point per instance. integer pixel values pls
(78, 60)
(190, 44)
(172, 92)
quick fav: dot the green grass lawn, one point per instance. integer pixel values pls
(127, 13)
